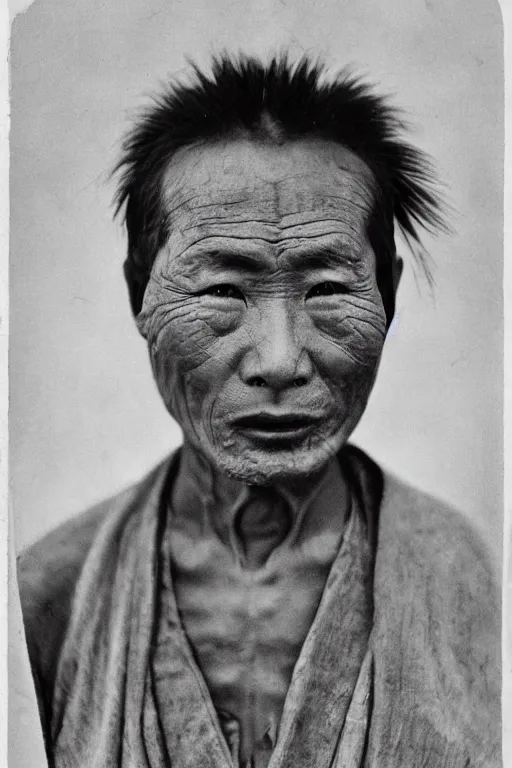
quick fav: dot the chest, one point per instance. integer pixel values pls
(247, 627)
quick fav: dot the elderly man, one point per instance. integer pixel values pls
(267, 596)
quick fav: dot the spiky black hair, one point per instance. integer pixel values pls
(244, 94)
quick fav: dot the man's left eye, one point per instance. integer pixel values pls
(328, 288)
(224, 291)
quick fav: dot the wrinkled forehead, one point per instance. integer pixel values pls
(290, 184)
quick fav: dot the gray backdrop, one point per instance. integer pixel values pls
(85, 417)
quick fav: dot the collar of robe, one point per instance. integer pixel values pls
(388, 675)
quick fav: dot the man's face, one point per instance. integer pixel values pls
(262, 313)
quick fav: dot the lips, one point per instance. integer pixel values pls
(276, 426)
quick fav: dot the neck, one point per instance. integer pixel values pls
(209, 498)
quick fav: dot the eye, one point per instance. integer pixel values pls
(224, 291)
(328, 288)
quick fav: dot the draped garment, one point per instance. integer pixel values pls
(400, 666)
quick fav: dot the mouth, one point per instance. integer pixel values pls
(276, 427)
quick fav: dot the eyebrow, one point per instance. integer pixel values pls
(224, 259)
(254, 261)
(322, 257)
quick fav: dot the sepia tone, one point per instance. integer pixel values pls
(304, 586)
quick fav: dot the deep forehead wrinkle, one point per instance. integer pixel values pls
(275, 201)
(233, 170)
(329, 239)
(225, 198)
(342, 216)
(342, 237)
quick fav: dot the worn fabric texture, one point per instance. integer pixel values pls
(400, 666)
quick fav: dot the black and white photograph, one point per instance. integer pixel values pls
(256, 401)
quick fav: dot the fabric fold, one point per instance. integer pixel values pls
(327, 671)
(101, 695)
(400, 666)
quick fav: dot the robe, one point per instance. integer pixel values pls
(400, 666)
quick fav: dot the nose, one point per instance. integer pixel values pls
(278, 358)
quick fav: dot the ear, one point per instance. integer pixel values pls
(390, 287)
(397, 269)
(136, 280)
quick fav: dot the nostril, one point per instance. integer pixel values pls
(257, 381)
(300, 381)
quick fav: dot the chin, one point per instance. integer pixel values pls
(255, 465)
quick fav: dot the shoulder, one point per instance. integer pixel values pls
(438, 599)
(429, 528)
(50, 569)
(433, 555)
(413, 524)
(47, 574)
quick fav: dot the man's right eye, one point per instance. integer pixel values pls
(224, 291)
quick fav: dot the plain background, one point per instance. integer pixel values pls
(85, 417)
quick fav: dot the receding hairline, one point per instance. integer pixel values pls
(347, 161)
(242, 92)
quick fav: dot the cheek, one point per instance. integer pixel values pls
(187, 333)
(192, 350)
(352, 340)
